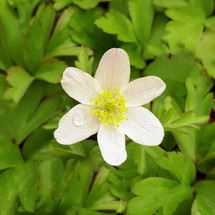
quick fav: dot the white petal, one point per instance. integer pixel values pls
(80, 85)
(113, 70)
(76, 125)
(143, 90)
(142, 127)
(111, 142)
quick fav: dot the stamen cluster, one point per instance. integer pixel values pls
(109, 109)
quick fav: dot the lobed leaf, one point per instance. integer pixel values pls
(20, 80)
(61, 43)
(51, 70)
(13, 35)
(204, 201)
(37, 37)
(154, 193)
(142, 15)
(180, 165)
(116, 23)
(84, 63)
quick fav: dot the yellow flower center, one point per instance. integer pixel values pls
(109, 109)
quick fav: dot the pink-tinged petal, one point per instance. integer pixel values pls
(76, 125)
(143, 90)
(111, 142)
(80, 85)
(142, 127)
(113, 70)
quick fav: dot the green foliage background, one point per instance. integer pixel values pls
(172, 39)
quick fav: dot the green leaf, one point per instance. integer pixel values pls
(184, 126)
(186, 40)
(186, 14)
(12, 33)
(80, 177)
(10, 153)
(20, 80)
(189, 119)
(21, 182)
(4, 104)
(43, 112)
(141, 13)
(174, 120)
(185, 206)
(55, 149)
(37, 37)
(27, 185)
(61, 43)
(84, 211)
(135, 55)
(31, 113)
(205, 52)
(5, 60)
(84, 4)
(209, 23)
(116, 23)
(88, 145)
(156, 193)
(155, 152)
(164, 67)
(207, 6)
(84, 63)
(99, 197)
(119, 187)
(171, 3)
(53, 123)
(201, 145)
(204, 202)
(36, 141)
(155, 45)
(51, 70)
(25, 10)
(179, 165)
(59, 4)
(210, 153)
(84, 32)
(211, 174)
(199, 99)
(87, 4)
(140, 159)
(206, 146)
(8, 196)
(185, 20)
(188, 137)
(52, 183)
(120, 6)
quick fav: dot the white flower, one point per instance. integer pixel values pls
(110, 106)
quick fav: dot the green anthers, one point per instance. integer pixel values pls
(109, 109)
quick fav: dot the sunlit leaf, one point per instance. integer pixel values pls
(20, 80)
(204, 201)
(141, 13)
(155, 193)
(84, 62)
(116, 23)
(180, 165)
(51, 70)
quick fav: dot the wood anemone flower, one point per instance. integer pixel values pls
(110, 106)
